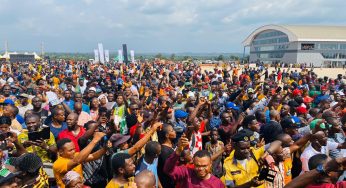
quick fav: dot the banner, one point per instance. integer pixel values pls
(132, 52)
(120, 56)
(102, 54)
(96, 52)
(107, 55)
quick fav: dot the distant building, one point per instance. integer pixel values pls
(20, 57)
(317, 45)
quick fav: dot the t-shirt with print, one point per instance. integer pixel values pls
(42, 153)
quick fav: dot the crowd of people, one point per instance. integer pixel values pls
(169, 125)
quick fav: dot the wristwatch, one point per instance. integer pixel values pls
(320, 169)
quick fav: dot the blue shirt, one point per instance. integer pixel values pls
(56, 131)
(85, 107)
(151, 167)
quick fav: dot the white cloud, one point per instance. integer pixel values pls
(154, 25)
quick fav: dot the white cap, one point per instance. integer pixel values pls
(92, 89)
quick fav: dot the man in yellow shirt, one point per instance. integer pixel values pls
(41, 147)
(124, 169)
(68, 159)
(241, 167)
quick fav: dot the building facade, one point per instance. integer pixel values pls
(314, 45)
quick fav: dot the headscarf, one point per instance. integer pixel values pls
(70, 176)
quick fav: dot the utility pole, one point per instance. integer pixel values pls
(42, 49)
(6, 46)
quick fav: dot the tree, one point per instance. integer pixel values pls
(233, 57)
(172, 57)
(220, 58)
(158, 56)
(141, 58)
(186, 58)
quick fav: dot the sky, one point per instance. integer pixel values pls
(152, 26)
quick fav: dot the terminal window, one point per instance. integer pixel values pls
(308, 46)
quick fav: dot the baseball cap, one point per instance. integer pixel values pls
(297, 92)
(23, 95)
(314, 122)
(232, 106)
(9, 101)
(301, 110)
(92, 89)
(188, 83)
(287, 123)
(180, 114)
(250, 90)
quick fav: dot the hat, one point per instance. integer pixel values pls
(293, 103)
(250, 90)
(301, 110)
(92, 89)
(232, 105)
(70, 176)
(180, 114)
(243, 135)
(28, 162)
(287, 123)
(191, 94)
(9, 101)
(118, 139)
(314, 122)
(188, 83)
(296, 92)
(23, 95)
(307, 99)
(296, 120)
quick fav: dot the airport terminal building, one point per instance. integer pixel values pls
(317, 45)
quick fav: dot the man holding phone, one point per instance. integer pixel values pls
(42, 147)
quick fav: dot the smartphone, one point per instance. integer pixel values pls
(278, 90)
(267, 174)
(39, 135)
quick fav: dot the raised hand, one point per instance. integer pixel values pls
(183, 142)
(98, 135)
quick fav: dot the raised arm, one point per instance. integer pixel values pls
(83, 155)
(170, 167)
(144, 140)
(335, 165)
(300, 143)
(195, 111)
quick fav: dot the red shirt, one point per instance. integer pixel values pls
(341, 184)
(68, 134)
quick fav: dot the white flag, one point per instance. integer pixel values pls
(102, 54)
(132, 52)
(107, 55)
(96, 52)
(120, 56)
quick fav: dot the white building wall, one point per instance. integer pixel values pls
(290, 58)
(310, 57)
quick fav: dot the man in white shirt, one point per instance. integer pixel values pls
(318, 145)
